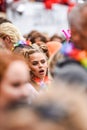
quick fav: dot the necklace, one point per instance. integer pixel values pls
(41, 83)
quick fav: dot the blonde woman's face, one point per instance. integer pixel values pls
(14, 84)
(38, 64)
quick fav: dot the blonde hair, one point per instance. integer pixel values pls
(27, 52)
(53, 60)
(8, 29)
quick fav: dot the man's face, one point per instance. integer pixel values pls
(80, 38)
(79, 33)
(14, 84)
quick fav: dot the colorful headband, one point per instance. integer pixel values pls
(22, 43)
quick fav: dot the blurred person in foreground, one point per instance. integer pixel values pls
(70, 63)
(14, 79)
(58, 109)
(67, 70)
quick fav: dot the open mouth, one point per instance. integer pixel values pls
(41, 72)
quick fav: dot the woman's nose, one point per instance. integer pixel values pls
(40, 64)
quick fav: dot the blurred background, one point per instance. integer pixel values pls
(48, 16)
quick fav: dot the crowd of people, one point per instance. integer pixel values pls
(43, 80)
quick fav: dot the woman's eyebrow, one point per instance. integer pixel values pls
(34, 61)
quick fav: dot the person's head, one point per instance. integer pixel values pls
(53, 60)
(63, 68)
(78, 24)
(36, 58)
(4, 20)
(36, 36)
(9, 35)
(14, 76)
(59, 109)
(37, 61)
(19, 47)
(56, 38)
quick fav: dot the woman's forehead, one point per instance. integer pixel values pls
(37, 56)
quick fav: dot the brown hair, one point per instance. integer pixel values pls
(4, 20)
(34, 35)
(55, 36)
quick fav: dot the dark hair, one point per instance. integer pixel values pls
(4, 20)
(56, 36)
(18, 48)
(32, 36)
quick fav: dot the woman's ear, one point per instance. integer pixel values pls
(7, 39)
(7, 42)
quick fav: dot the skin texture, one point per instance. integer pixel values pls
(13, 84)
(80, 38)
(79, 26)
(38, 62)
(7, 42)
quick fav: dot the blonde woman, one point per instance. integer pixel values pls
(9, 35)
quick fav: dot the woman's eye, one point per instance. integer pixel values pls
(16, 85)
(35, 63)
(43, 61)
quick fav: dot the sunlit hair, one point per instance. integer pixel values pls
(26, 51)
(43, 47)
(8, 29)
